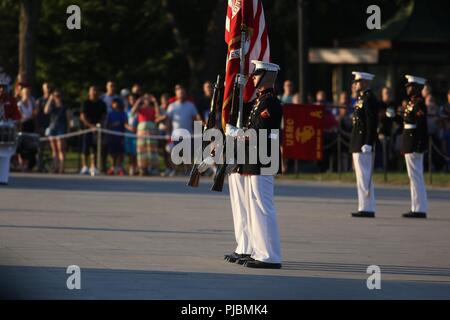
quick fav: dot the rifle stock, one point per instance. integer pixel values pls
(223, 169)
(219, 178)
(194, 177)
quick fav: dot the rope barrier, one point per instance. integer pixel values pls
(331, 144)
(168, 138)
(439, 152)
(132, 135)
(65, 136)
(344, 133)
(346, 144)
(104, 131)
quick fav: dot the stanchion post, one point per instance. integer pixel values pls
(385, 162)
(339, 154)
(99, 147)
(430, 159)
(79, 151)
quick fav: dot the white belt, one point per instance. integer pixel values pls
(410, 126)
(273, 136)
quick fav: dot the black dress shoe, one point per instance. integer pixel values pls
(416, 215)
(363, 214)
(227, 257)
(244, 260)
(232, 258)
(262, 265)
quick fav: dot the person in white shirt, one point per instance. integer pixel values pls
(288, 92)
(26, 107)
(110, 95)
(182, 113)
(180, 117)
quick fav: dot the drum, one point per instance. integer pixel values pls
(28, 143)
(8, 134)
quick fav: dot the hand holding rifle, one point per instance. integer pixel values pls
(198, 169)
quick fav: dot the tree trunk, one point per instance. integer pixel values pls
(213, 56)
(215, 48)
(182, 43)
(28, 23)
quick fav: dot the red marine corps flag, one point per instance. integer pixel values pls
(303, 131)
(247, 14)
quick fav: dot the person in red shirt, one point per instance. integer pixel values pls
(8, 114)
(8, 105)
(147, 114)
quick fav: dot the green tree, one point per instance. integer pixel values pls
(28, 24)
(9, 36)
(159, 43)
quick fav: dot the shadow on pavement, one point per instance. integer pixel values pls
(361, 268)
(50, 283)
(205, 232)
(159, 185)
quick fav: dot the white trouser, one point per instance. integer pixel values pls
(4, 169)
(5, 160)
(414, 165)
(236, 184)
(363, 163)
(264, 235)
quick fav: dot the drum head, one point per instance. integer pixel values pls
(8, 134)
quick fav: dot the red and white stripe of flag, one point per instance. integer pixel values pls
(249, 13)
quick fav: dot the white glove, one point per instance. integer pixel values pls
(231, 131)
(366, 148)
(205, 164)
(390, 113)
(241, 79)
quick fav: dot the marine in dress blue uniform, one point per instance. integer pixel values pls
(258, 185)
(414, 144)
(362, 144)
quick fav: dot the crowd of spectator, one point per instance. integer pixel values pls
(138, 123)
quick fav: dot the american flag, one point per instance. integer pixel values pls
(250, 15)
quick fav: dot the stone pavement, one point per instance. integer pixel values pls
(158, 239)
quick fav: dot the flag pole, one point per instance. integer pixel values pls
(302, 50)
(241, 86)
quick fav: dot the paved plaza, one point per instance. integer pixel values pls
(156, 238)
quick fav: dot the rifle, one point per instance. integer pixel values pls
(194, 178)
(237, 110)
(223, 169)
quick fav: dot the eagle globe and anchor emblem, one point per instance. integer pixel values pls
(304, 134)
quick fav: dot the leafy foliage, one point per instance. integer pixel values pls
(132, 40)
(9, 29)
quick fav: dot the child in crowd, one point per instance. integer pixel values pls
(131, 142)
(116, 121)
